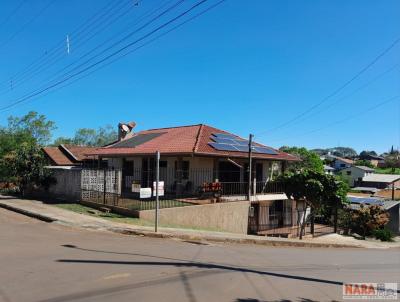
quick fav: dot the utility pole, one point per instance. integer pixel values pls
(68, 47)
(250, 164)
(157, 183)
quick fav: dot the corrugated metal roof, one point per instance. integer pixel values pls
(365, 168)
(366, 200)
(386, 178)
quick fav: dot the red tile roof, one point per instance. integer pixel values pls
(57, 156)
(185, 140)
(67, 155)
(79, 152)
(345, 160)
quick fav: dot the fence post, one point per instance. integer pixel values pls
(157, 182)
(312, 212)
(104, 186)
(250, 163)
(335, 218)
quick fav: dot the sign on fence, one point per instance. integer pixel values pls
(160, 188)
(145, 192)
(136, 187)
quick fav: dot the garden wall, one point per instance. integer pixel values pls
(228, 217)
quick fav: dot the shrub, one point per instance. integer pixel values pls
(363, 221)
(345, 220)
(383, 234)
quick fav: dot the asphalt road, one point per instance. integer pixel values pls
(48, 262)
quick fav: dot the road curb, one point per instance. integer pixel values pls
(192, 237)
(28, 213)
(263, 242)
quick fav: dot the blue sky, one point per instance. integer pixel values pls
(245, 66)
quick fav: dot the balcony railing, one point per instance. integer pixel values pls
(241, 188)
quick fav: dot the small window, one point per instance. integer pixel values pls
(163, 164)
(185, 169)
(342, 165)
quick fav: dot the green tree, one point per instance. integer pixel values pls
(364, 162)
(25, 167)
(63, 141)
(365, 220)
(317, 190)
(90, 137)
(33, 125)
(365, 154)
(30, 129)
(344, 152)
(309, 159)
(392, 161)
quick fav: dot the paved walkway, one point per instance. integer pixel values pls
(54, 214)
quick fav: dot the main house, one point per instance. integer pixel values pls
(197, 159)
(196, 153)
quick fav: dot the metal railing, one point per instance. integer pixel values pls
(260, 187)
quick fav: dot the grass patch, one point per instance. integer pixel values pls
(387, 171)
(151, 205)
(114, 217)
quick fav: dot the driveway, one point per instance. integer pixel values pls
(50, 262)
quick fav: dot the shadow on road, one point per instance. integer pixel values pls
(282, 300)
(202, 266)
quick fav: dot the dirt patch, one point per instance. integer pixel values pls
(388, 194)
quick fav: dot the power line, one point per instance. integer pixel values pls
(130, 34)
(13, 13)
(137, 48)
(350, 117)
(101, 45)
(26, 24)
(108, 57)
(339, 100)
(340, 88)
(57, 53)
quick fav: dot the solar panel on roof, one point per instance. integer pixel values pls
(136, 140)
(224, 141)
(264, 150)
(242, 142)
(224, 135)
(222, 147)
(242, 148)
(229, 142)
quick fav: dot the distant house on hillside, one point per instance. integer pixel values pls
(355, 174)
(329, 170)
(339, 162)
(376, 161)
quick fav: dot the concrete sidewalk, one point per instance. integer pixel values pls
(50, 213)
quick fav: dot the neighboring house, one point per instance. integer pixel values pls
(380, 181)
(376, 161)
(355, 174)
(66, 162)
(340, 163)
(69, 155)
(195, 156)
(329, 170)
